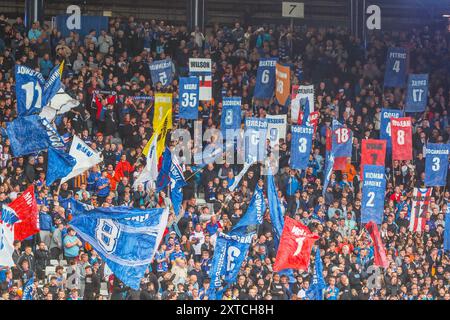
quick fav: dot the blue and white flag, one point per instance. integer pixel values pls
(189, 97)
(436, 164)
(417, 93)
(161, 71)
(265, 78)
(31, 134)
(255, 139)
(373, 190)
(329, 163)
(255, 212)
(28, 290)
(29, 90)
(163, 178)
(447, 229)
(59, 165)
(231, 114)
(342, 140)
(275, 209)
(7, 219)
(315, 291)
(177, 183)
(229, 254)
(385, 127)
(302, 137)
(125, 238)
(53, 84)
(395, 73)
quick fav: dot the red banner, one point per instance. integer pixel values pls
(401, 135)
(373, 151)
(379, 251)
(295, 246)
(26, 209)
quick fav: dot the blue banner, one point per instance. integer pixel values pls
(385, 127)
(255, 139)
(417, 93)
(29, 90)
(342, 140)
(28, 290)
(373, 189)
(125, 238)
(87, 23)
(255, 213)
(302, 137)
(436, 164)
(265, 78)
(275, 210)
(188, 97)
(229, 254)
(231, 114)
(395, 73)
(315, 291)
(177, 183)
(447, 229)
(52, 85)
(161, 71)
(59, 165)
(329, 163)
(163, 178)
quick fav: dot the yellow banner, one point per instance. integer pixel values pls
(163, 104)
(160, 133)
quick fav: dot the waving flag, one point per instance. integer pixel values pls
(255, 212)
(84, 156)
(328, 171)
(60, 164)
(275, 210)
(188, 97)
(27, 211)
(447, 230)
(302, 137)
(238, 178)
(436, 164)
(295, 246)
(150, 171)
(373, 190)
(401, 138)
(177, 183)
(8, 218)
(163, 178)
(396, 65)
(417, 93)
(29, 90)
(59, 104)
(53, 84)
(420, 207)
(379, 251)
(341, 145)
(161, 71)
(160, 134)
(28, 290)
(318, 283)
(385, 127)
(125, 238)
(265, 78)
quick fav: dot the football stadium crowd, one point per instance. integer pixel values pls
(347, 74)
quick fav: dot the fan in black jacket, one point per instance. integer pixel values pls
(92, 284)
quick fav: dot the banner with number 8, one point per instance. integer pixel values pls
(401, 137)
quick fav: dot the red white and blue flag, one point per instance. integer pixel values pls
(420, 207)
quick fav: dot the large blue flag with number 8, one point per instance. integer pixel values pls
(188, 97)
(436, 164)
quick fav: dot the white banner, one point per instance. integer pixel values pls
(276, 128)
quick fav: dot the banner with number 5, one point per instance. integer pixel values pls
(417, 93)
(436, 164)
(301, 146)
(265, 78)
(373, 190)
(188, 97)
(401, 138)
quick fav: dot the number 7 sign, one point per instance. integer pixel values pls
(373, 151)
(401, 135)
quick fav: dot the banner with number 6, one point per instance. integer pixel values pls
(188, 97)
(373, 189)
(401, 138)
(265, 78)
(436, 164)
